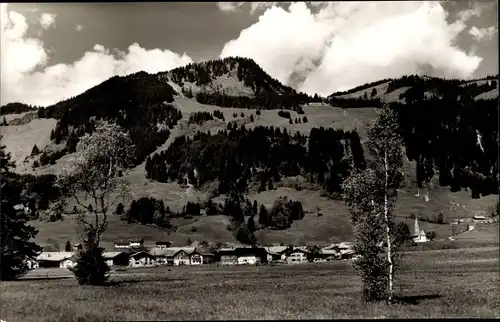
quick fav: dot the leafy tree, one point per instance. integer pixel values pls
(95, 173)
(251, 224)
(91, 267)
(119, 209)
(68, 247)
(75, 210)
(245, 236)
(4, 122)
(263, 216)
(374, 92)
(430, 235)
(403, 233)
(370, 195)
(15, 234)
(313, 253)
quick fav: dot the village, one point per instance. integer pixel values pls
(134, 253)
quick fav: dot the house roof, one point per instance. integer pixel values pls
(111, 255)
(170, 251)
(54, 256)
(136, 240)
(345, 245)
(244, 251)
(163, 243)
(328, 252)
(141, 254)
(295, 250)
(275, 249)
(123, 242)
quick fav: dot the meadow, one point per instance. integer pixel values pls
(434, 283)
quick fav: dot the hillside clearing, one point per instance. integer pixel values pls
(20, 139)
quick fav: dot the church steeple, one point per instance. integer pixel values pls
(417, 229)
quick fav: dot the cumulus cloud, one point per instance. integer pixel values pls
(482, 33)
(229, 6)
(79, 27)
(476, 10)
(253, 6)
(26, 78)
(345, 44)
(47, 20)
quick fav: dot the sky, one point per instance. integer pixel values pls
(53, 51)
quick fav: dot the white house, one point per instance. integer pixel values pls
(247, 259)
(275, 253)
(479, 219)
(182, 258)
(55, 259)
(419, 236)
(136, 242)
(196, 258)
(296, 256)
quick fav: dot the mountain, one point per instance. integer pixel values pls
(233, 82)
(207, 130)
(411, 87)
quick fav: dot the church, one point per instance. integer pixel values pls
(419, 236)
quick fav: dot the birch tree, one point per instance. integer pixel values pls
(371, 195)
(94, 174)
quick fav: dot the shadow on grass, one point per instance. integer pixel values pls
(43, 278)
(415, 299)
(142, 280)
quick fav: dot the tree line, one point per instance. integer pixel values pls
(263, 154)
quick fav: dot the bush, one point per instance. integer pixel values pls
(284, 114)
(91, 268)
(257, 112)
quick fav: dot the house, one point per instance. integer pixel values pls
(55, 259)
(227, 257)
(208, 258)
(479, 219)
(295, 256)
(163, 244)
(329, 254)
(116, 258)
(419, 236)
(242, 255)
(136, 242)
(122, 244)
(196, 258)
(174, 255)
(142, 259)
(182, 257)
(275, 253)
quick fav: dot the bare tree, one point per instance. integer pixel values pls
(371, 196)
(94, 173)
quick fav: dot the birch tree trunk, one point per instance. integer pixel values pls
(387, 229)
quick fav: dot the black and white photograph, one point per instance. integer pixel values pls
(166, 161)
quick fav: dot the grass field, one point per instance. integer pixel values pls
(445, 283)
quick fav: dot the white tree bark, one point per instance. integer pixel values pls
(387, 228)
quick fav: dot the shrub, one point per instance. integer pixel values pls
(91, 268)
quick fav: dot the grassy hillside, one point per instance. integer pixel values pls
(331, 226)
